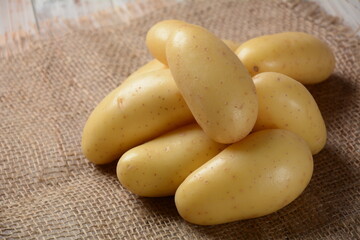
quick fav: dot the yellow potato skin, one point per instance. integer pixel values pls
(285, 103)
(150, 66)
(215, 85)
(156, 168)
(158, 35)
(254, 177)
(298, 55)
(143, 107)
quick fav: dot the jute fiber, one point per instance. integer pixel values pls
(48, 190)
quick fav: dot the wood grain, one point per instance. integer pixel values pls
(17, 19)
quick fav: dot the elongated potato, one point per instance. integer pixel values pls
(152, 65)
(156, 168)
(257, 176)
(142, 108)
(298, 55)
(216, 86)
(287, 104)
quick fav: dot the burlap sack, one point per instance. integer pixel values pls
(48, 190)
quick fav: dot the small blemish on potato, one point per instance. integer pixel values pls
(120, 102)
(256, 68)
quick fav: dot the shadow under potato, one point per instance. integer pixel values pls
(336, 98)
(109, 168)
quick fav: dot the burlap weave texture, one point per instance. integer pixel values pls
(48, 190)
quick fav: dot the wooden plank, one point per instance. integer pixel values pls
(52, 15)
(17, 22)
(17, 15)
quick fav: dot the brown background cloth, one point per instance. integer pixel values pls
(48, 190)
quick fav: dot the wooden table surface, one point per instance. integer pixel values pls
(22, 18)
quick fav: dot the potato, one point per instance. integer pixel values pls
(285, 103)
(298, 55)
(159, 33)
(257, 176)
(215, 85)
(157, 36)
(149, 67)
(158, 167)
(141, 108)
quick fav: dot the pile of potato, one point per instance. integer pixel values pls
(229, 130)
